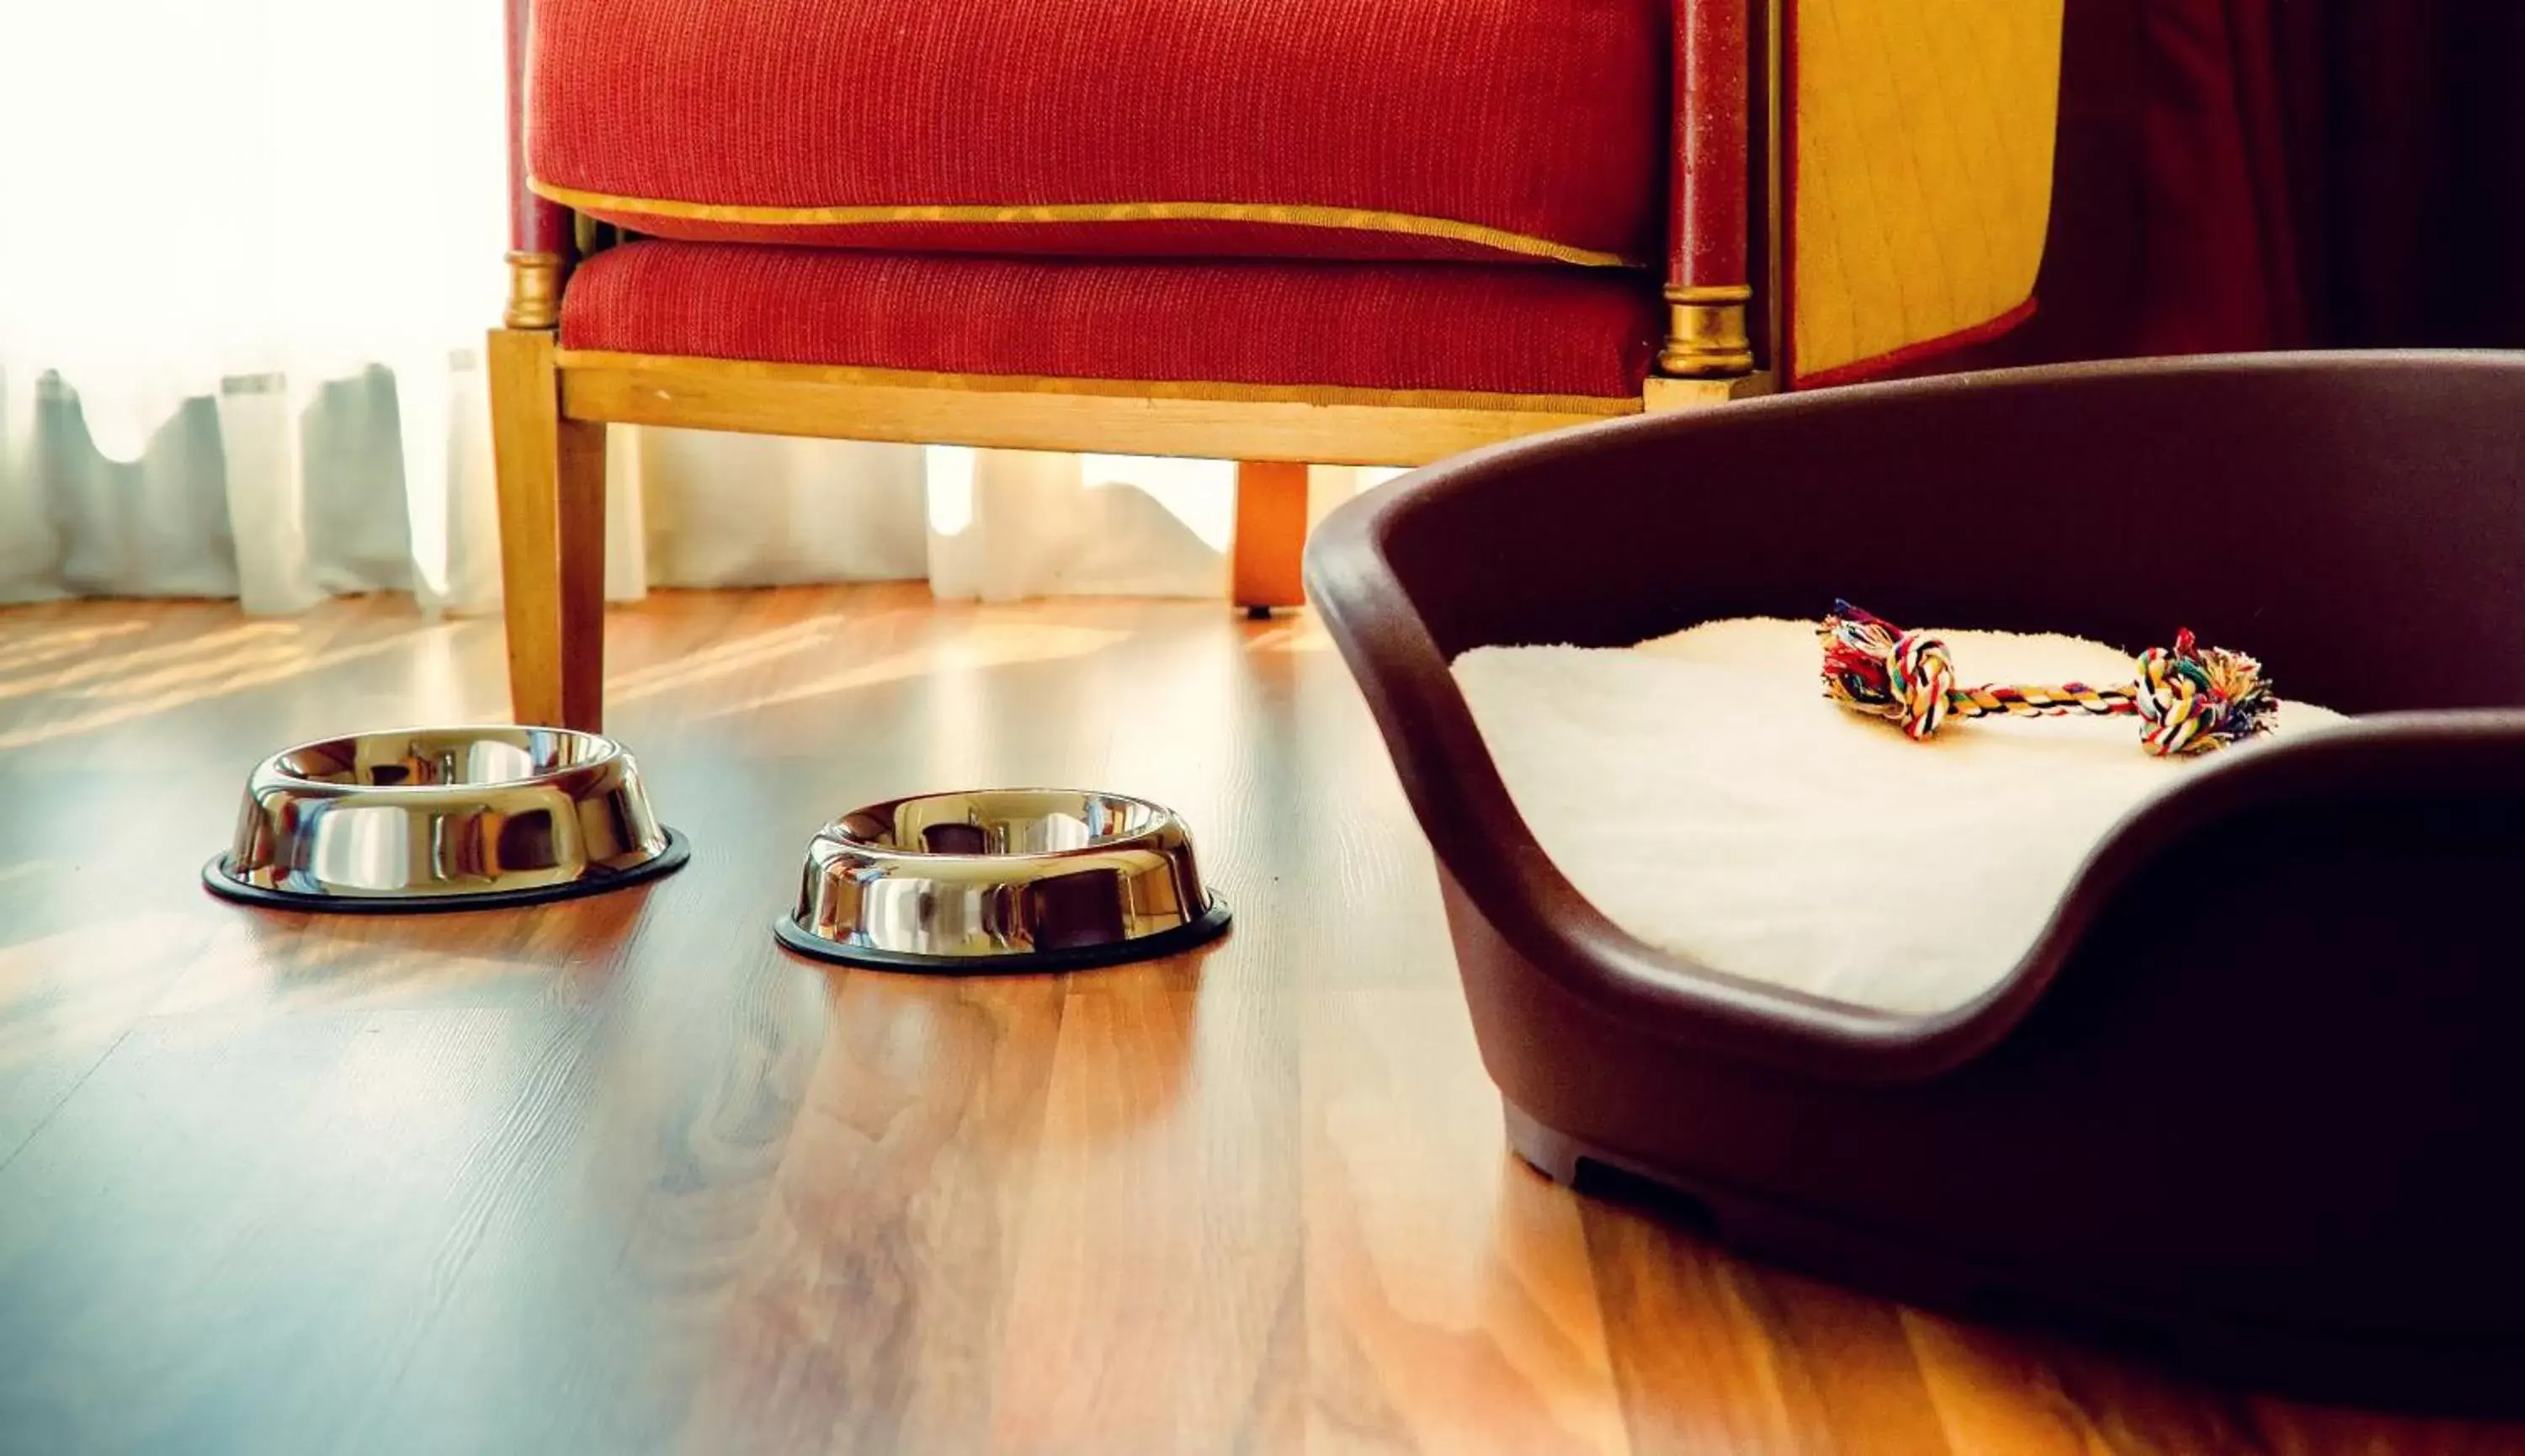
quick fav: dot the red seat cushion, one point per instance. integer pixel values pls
(1337, 129)
(1447, 327)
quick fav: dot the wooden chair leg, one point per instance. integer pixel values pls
(1270, 535)
(552, 537)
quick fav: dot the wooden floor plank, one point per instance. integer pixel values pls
(1448, 1300)
(1993, 1395)
(872, 1307)
(1698, 1365)
(234, 1233)
(620, 1176)
(1168, 1150)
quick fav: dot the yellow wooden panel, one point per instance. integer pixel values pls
(1922, 169)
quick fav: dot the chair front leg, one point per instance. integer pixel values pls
(551, 469)
(550, 473)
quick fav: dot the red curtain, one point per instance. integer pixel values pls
(2239, 174)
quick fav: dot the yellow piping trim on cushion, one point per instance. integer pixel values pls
(1287, 215)
(848, 374)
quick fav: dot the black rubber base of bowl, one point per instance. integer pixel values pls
(1183, 937)
(215, 879)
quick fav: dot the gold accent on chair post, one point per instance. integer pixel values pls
(534, 291)
(1707, 336)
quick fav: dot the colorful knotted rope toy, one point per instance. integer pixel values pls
(2193, 698)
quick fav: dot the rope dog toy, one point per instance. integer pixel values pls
(2194, 699)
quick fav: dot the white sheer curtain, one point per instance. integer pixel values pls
(247, 252)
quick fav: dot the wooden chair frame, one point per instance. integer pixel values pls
(551, 405)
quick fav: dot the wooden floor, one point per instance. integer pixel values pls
(620, 1176)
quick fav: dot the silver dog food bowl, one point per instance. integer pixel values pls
(1002, 880)
(443, 819)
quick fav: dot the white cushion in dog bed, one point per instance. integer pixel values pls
(1701, 794)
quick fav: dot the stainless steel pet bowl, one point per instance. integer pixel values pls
(443, 819)
(999, 881)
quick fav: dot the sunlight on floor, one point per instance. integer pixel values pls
(110, 669)
(985, 645)
(718, 661)
(221, 665)
(83, 987)
(39, 645)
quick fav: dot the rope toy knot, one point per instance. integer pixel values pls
(1873, 666)
(1922, 675)
(2194, 699)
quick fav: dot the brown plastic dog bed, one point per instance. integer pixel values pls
(2257, 1093)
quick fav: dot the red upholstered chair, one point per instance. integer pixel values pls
(1363, 231)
